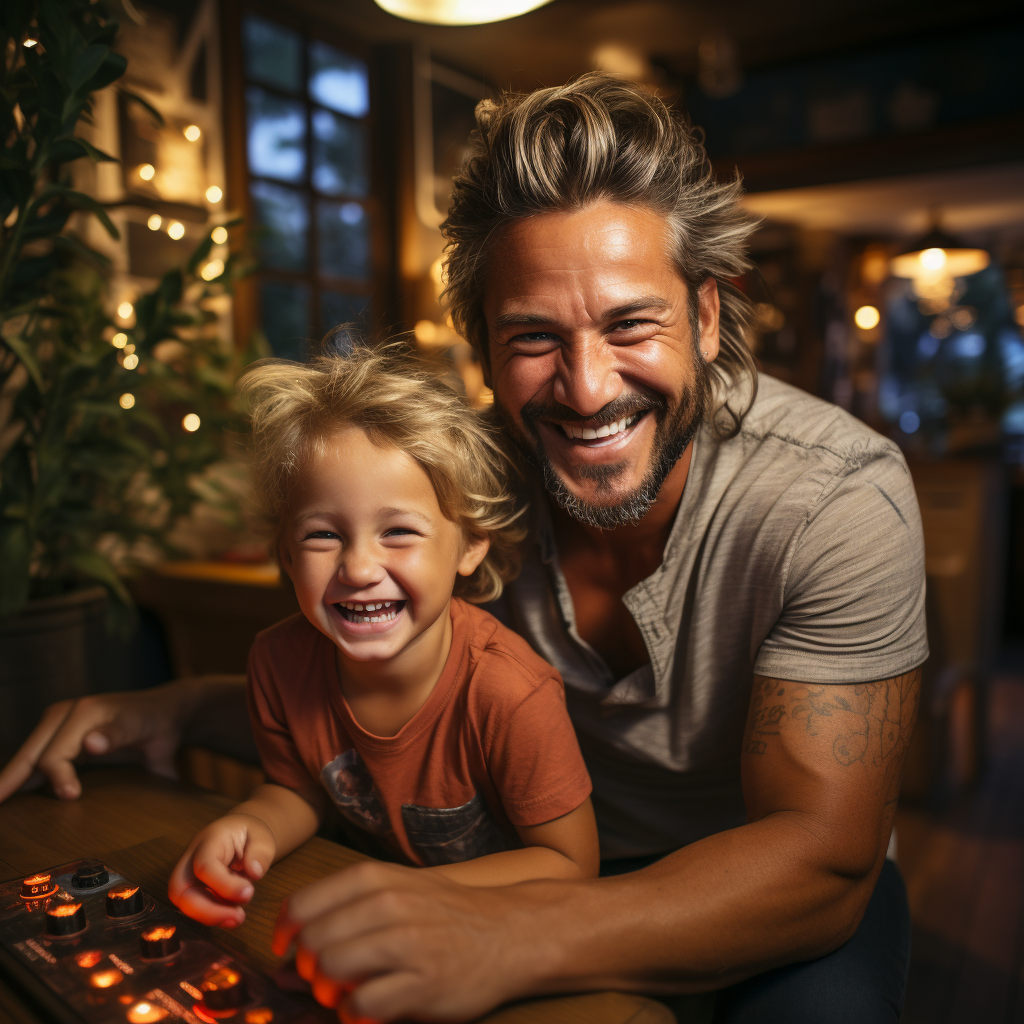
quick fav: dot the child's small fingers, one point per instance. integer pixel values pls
(211, 868)
(258, 855)
(199, 904)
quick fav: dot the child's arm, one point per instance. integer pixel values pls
(218, 867)
(563, 848)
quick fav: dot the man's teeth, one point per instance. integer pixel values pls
(359, 610)
(605, 430)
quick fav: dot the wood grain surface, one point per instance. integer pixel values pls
(140, 823)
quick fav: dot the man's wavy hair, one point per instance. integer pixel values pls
(400, 401)
(602, 137)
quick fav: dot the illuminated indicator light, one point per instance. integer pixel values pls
(125, 999)
(204, 1014)
(160, 941)
(89, 959)
(214, 194)
(154, 222)
(125, 310)
(261, 1015)
(933, 259)
(161, 931)
(176, 229)
(130, 362)
(65, 910)
(193, 133)
(127, 400)
(106, 979)
(147, 172)
(191, 990)
(212, 270)
(219, 235)
(191, 422)
(866, 318)
(145, 1013)
(36, 886)
(119, 340)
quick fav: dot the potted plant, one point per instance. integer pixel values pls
(104, 431)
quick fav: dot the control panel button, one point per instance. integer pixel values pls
(65, 919)
(125, 901)
(223, 989)
(35, 887)
(160, 941)
(90, 875)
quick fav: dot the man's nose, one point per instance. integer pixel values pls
(587, 378)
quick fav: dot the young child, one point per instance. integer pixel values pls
(427, 723)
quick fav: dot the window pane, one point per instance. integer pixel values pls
(338, 81)
(277, 136)
(344, 239)
(339, 155)
(342, 308)
(272, 54)
(282, 217)
(285, 312)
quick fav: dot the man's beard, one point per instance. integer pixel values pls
(674, 431)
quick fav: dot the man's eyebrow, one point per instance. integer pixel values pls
(654, 303)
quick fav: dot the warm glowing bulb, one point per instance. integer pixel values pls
(30, 42)
(127, 400)
(130, 362)
(125, 310)
(214, 194)
(154, 222)
(192, 133)
(866, 317)
(147, 172)
(89, 959)
(146, 1013)
(191, 422)
(425, 331)
(176, 229)
(119, 340)
(212, 269)
(129, 349)
(219, 235)
(933, 259)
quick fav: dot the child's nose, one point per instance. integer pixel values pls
(359, 567)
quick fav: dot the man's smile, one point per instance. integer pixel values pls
(597, 431)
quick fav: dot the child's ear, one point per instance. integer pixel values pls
(474, 551)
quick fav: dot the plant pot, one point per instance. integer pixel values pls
(55, 648)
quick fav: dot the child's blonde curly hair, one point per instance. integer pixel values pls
(399, 401)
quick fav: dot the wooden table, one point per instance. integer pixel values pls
(140, 823)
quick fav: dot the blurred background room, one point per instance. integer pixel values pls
(279, 171)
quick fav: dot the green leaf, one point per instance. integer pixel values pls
(158, 118)
(15, 555)
(201, 252)
(80, 201)
(94, 566)
(24, 353)
(86, 64)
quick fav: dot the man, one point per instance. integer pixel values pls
(728, 575)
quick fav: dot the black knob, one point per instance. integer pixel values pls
(125, 901)
(36, 886)
(160, 941)
(65, 919)
(90, 875)
(223, 989)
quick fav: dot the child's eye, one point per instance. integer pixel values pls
(399, 531)
(321, 535)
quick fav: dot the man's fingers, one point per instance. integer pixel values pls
(345, 886)
(385, 997)
(20, 767)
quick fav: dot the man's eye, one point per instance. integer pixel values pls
(534, 343)
(629, 325)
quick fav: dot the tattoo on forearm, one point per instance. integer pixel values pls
(869, 722)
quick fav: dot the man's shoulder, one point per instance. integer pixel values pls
(795, 419)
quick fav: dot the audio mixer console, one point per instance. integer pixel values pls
(91, 947)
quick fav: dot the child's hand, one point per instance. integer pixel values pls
(217, 870)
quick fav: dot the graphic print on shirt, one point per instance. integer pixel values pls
(449, 835)
(351, 787)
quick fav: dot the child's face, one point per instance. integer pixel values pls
(365, 528)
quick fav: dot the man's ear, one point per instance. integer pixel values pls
(474, 551)
(709, 307)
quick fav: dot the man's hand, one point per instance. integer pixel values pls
(389, 942)
(216, 871)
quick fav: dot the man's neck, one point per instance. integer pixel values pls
(645, 540)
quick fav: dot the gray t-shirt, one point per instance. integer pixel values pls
(796, 553)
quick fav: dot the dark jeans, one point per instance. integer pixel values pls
(862, 982)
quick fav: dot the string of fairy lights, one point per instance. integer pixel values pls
(209, 271)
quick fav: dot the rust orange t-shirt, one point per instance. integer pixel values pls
(491, 748)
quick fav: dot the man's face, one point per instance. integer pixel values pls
(591, 332)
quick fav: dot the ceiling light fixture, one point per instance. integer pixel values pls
(459, 12)
(932, 265)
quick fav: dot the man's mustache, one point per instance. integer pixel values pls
(624, 405)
